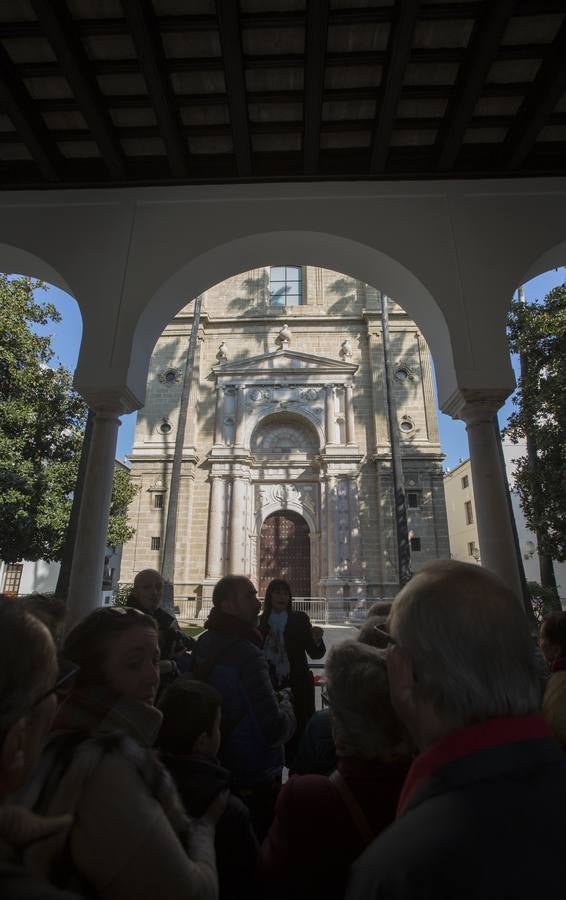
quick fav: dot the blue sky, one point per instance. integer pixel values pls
(66, 338)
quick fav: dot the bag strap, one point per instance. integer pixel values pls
(356, 812)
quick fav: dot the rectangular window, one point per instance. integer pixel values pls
(471, 547)
(12, 578)
(158, 501)
(415, 544)
(469, 512)
(156, 543)
(412, 499)
(465, 481)
(285, 286)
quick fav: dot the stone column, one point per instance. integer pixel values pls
(85, 584)
(331, 503)
(215, 546)
(240, 415)
(330, 415)
(355, 530)
(238, 526)
(495, 529)
(219, 420)
(349, 404)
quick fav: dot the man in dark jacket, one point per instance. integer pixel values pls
(480, 813)
(146, 595)
(256, 722)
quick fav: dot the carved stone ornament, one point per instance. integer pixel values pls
(170, 376)
(310, 394)
(283, 339)
(259, 394)
(222, 352)
(346, 350)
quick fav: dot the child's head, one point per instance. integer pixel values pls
(553, 636)
(191, 718)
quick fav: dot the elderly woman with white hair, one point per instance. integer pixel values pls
(323, 823)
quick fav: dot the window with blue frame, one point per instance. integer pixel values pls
(286, 285)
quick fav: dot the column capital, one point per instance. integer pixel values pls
(475, 406)
(109, 402)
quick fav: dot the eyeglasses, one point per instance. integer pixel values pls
(67, 671)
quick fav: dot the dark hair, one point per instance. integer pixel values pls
(226, 587)
(26, 653)
(368, 635)
(87, 644)
(554, 625)
(278, 584)
(189, 709)
(380, 608)
(48, 608)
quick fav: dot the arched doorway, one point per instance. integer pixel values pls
(284, 552)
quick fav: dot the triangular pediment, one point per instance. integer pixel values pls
(282, 361)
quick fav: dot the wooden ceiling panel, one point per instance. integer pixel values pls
(106, 91)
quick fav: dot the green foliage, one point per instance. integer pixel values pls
(41, 424)
(42, 421)
(123, 492)
(538, 332)
(543, 600)
(122, 593)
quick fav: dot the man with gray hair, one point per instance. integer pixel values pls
(481, 811)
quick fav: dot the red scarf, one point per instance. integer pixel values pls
(227, 624)
(472, 739)
(558, 665)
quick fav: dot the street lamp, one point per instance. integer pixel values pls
(528, 548)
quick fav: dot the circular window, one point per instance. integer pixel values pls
(171, 376)
(165, 428)
(406, 426)
(401, 374)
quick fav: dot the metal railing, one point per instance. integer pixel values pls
(319, 610)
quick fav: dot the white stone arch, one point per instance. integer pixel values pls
(18, 261)
(313, 248)
(255, 419)
(553, 258)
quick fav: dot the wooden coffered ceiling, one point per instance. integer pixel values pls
(120, 92)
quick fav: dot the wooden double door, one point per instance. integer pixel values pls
(285, 552)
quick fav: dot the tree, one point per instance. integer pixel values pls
(537, 331)
(42, 421)
(123, 492)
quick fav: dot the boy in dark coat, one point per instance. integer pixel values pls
(189, 740)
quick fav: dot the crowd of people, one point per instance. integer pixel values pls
(136, 762)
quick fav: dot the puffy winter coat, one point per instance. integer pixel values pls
(256, 723)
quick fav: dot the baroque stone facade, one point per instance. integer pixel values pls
(287, 419)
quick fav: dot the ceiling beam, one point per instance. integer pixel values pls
(59, 29)
(546, 90)
(144, 28)
(315, 52)
(481, 53)
(27, 120)
(227, 13)
(398, 55)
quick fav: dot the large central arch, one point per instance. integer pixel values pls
(324, 250)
